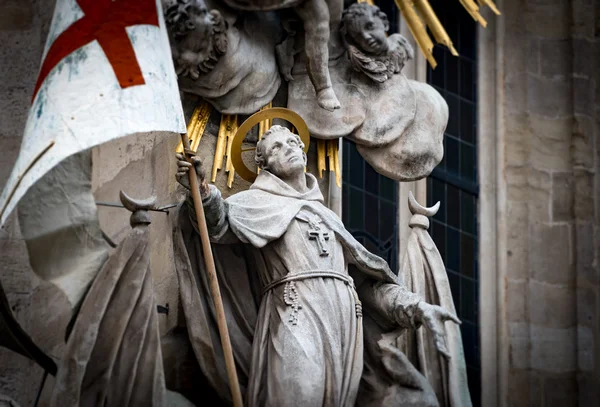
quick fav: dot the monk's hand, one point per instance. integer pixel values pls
(434, 317)
(183, 177)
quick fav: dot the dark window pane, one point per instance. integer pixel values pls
(454, 111)
(355, 166)
(466, 79)
(371, 180)
(452, 75)
(388, 219)
(467, 212)
(467, 123)
(467, 155)
(467, 295)
(453, 250)
(466, 255)
(388, 188)
(371, 215)
(452, 155)
(453, 206)
(356, 209)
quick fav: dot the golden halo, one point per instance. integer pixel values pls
(272, 113)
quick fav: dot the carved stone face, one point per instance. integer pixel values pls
(368, 31)
(283, 154)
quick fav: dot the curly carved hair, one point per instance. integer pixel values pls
(260, 158)
(351, 14)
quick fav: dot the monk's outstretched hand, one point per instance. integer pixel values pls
(182, 175)
(434, 317)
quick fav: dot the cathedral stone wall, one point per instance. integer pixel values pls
(551, 121)
(552, 105)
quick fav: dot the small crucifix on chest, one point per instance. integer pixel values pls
(320, 236)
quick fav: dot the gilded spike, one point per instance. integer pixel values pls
(321, 164)
(434, 24)
(417, 29)
(231, 129)
(473, 10)
(220, 148)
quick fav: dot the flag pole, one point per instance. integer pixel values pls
(212, 279)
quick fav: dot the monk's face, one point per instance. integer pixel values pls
(368, 32)
(283, 153)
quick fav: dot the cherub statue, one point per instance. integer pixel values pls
(397, 124)
(225, 57)
(198, 36)
(295, 313)
(364, 31)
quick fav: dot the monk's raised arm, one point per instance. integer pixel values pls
(215, 212)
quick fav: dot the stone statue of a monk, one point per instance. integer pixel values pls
(306, 335)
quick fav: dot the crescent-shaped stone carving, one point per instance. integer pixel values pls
(417, 209)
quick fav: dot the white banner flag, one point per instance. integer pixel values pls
(106, 73)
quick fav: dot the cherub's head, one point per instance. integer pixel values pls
(365, 26)
(198, 36)
(280, 152)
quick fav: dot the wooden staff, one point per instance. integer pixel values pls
(213, 283)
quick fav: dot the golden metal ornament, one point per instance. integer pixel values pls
(418, 31)
(196, 126)
(490, 4)
(321, 152)
(272, 113)
(434, 24)
(227, 129)
(473, 10)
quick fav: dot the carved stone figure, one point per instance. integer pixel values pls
(398, 124)
(370, 50)
(294, 312)
(226, 58)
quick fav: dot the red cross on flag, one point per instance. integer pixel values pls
(106, 73)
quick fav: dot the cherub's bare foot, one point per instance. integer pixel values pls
(327, 99)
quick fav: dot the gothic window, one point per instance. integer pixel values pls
(370, 206)
(454, 180)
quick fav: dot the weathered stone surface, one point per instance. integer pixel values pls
(551, 305)
(584, 191)
(583, 66)
(516, 299)
(551, 254)
(16, 15)
(584, 91)
(585, 247)
(560, 390)
(547, 19)
(585, 349)
(519, 351)
(562, 197)
(555, 58)
(551, 139)
(545, 343)
(517, 260)
(582, 143)
(539, 188)
(550, 98)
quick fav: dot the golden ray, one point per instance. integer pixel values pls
(321, 164)
(231, 129)
(417, 29)
(473, 10)
(196, 126)
(434, 24)
(220, 148)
